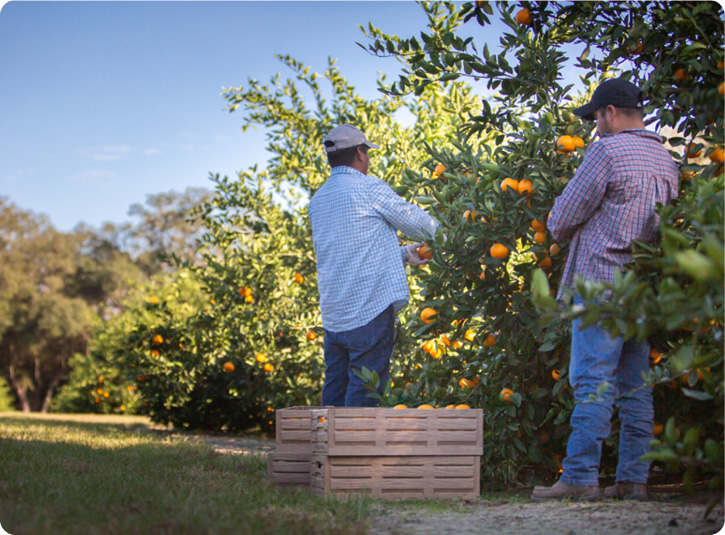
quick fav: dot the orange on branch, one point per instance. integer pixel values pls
(490, 340)
(526, 187)
(554, 249)
(469, 216)
(425, 406)
(506, 394)
(228, 367)
(462, 406)
(509, 183)
(680, 75)
(540, 237)
(439, 170)
(311, 335)
(717, 156)
(425, 252)
(268, 367)
(565, 144)
(546, 264)
(691, 151)
(537, 225)
(555, 374)
(499, 251)
(524, 17)
(578, 142)
(429, 315)
(261, 357)
(299, 278)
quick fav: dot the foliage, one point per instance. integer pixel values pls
(7, 401)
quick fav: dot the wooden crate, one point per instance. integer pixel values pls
(383, 431)
(293, 433)
(396, 477)
(288, 468)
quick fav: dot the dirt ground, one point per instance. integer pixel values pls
(670, 511)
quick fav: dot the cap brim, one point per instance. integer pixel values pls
(371, 145)
(586, 112)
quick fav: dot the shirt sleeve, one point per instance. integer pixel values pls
(400, 214)
(582, 196)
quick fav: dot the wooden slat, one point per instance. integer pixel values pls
(288, 468)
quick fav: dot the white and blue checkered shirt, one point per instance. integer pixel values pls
(360, 264)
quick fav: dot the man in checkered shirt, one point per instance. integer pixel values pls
(608, 204)
(360, 265)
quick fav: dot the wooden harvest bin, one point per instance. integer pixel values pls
(396, 477)
(370, 431)
(288, 468)
(293, 433)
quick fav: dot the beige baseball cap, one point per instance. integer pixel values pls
(346, 136)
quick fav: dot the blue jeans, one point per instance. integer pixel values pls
(597, 357)
(371, 346)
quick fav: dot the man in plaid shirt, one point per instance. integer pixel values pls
(608, 204)
(360, 265)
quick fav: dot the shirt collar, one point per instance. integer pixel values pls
(637, 132)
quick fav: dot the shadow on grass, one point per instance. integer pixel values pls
(78, 477)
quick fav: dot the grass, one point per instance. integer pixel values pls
(106, 475)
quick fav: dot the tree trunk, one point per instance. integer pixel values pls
(20, 390)
(49, 392)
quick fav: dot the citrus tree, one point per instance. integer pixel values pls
(487, 342)
(256, 344)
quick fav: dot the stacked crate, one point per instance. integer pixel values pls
(396, 453)
(289, 464)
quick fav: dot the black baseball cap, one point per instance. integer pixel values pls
(618, 92)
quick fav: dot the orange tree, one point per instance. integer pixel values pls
(256, 345)
(489, 343)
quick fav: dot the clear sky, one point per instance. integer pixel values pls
(103, 103)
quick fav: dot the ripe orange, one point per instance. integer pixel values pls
(261, 357)
(499, 251)
(538, 226)
(155, 352)
(425, 406)
(490, 340)
(540, 237)
(578, 142)
(482, 276)
(509, 183)
(245, 291)
(425, 252)
(311, 335)
(554, 249)
(446, 341)
(717, 156)
(400, 406)
(470, 335)
(428, 346)
(455, 344)
(439, 170)
(469, 216)
(565, 144)
(158, 340)
(680, 75)
(436, 353)
(721, 89)
(299, 279)
(524, 17)
(466, 383)
(268, 367)
(506, 394)
(658, 429)
(462, 406)
(545, 264)
(429, 315)
(654, 353)
(555, 374)
(719, 64)
(691, 151)
(228, 367)
(451, 406)
(526, 187)
(153, 300)
(687, 175)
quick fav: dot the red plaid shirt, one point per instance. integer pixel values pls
(611, 202)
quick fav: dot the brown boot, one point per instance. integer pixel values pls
(562, 491)
(627, 491)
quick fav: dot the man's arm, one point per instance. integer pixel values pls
(582, 196)
(403, 216)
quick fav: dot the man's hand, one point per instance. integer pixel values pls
(412, 256)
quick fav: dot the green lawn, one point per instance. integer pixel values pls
(106, 476)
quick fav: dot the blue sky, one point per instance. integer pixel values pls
(104, 103)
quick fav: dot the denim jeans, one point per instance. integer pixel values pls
(371, 346)
(597, 357)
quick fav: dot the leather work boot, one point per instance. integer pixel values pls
(627, 491)
(563, 491)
